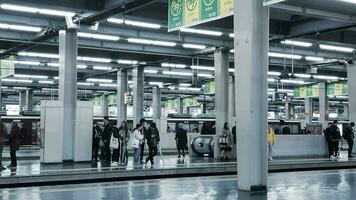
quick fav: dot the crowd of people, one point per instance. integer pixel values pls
(14, 143)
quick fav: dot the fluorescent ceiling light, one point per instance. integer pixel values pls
(142, 24)
(281, 55)
(194, 46)
(39, 55)
(53, 64)
(115, 20)
(107, 85)
(297, 43)
(205, 75)
(46, 82)
(93, 59)
(151, 42)
(82, 66)
(349, 1)
(99, 80)
(149, 71)
(20, 27)
(30, 76)
(156, 83)
(20, 88)
(231, 70)
(190, 89)
(203, 68)
(26, 62)
(314, 59)
(336, 48)
(185, 84)
(85, 84)
(177, 73)
(102, 68)
(232, 51)
(231, 35)
(16, 80)
(127, 62)
(36, 10)
(322, 77)
(292, 81)
(200, 31)
(274, 73)
(271, 80)
(98, 36)
(173, 65)
(303, 75)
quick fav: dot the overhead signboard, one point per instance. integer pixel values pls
(7, 68)
(185, 13)
(270, 2)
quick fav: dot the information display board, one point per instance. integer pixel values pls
(7, 67)
(185, 13)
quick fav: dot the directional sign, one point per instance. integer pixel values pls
(270, 2)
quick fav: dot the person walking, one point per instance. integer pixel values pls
(335, 138)
(136, 141)
(14, 140)
(152, 138)
(96, 140)
(181, 140)
(349, 137)
(142, 145)
(2, 139)
(271, 139)
(105, 136)
(124, 139)
(225, 141)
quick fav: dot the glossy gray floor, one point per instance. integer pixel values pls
(336, 184)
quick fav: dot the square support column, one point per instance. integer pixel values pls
(323, 105)
(22, 100)
(221, 64)
(251, 30)
(351, 78)
(179, 105)
(104, 105)
(156, 105)
(308, 111)
(29, 100)
(287, 110)
(68, 52)
(121, 91)
(138, 94)
(232, 103)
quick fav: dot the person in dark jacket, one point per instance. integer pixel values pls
(105, 136)
(327, 134)
(124, 139)
(181, 139)
(205, 129)
(349, 137)
(335, 137)
(143, 132)
(96, 140)
(152, 138)
(14, 140)
(2, 139)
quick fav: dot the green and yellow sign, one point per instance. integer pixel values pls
(171, 103)
(306, 91)
(209, 88)
(338, 89)
(185, 13)
(190, 101)
(7, 67)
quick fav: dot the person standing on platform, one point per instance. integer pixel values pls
(327, 134)
(136, 141)
(349, 137)
(225, 142)
(96, 141)
(124, 139)
(271, 139)
(335, 138)
(14, 140)
(233, 131)
(2, 139)
(143, 132)
(205, 129)
(152, 138)
(105, 136)
(181, 140)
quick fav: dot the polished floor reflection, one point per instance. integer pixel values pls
(328, 185)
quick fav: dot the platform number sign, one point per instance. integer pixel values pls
(270, 2)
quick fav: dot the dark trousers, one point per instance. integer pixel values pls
(152, 153)
(105, 153)
(142, 151)
(182, 152)
(330, 148)
(123, 153)
(95, 152)
(351, 145)
(13, 157)
(335, 148)
(1, 147)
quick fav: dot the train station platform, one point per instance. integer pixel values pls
(29, 173)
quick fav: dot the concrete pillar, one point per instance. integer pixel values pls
(29, 100)
(68, 52)
(251, 29)
(138, 94)
(179, 105)
(156, 104)
(287, 110)
(308, 113)
(22, 100)
(104, 105)
(346, 112)
(1, 96)
(232, 106)
(221, 64)
(351, 78)
(121, 91)
(323, 105)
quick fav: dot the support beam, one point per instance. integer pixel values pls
(308, 113)
(138, 94)
(323, 105)
(68, 51)
(251, 29)
(22, 100)
(287, 110)
(156, 104)
(232, 102)
(221, 64)
(351, 78)
(179, 105)
(29, 100)
(104, 105)
(121, 92)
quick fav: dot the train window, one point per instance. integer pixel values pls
(171, 128)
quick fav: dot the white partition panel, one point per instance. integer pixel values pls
(83, 131)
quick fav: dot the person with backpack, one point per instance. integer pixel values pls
(105, 137)
(152, 138)
(349, 137)
(335, 138)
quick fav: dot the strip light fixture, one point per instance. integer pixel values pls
(282, 55)
(293, 81)
(322, 77)
(336, 48)
(274, 73)
(20, 28)
(134, 23)
(156, 83)
(314, 59)
(185, 84)
(177, 73)
(46, 82)
(103, 68)
(194, 46)
(203, 68)
(107, 85)
(231, 35)
(85, 84)
(94, 59)
(182, 66)
(16, 80)
(190, 89)
(206, 75)
(30, 76)
(26, 62)
(27, 9)
(150, 71)
(127, 62)
(98, 36)
(151, 42)
(99, 80)
(297, 43)
(39, 55)
(200, 31)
